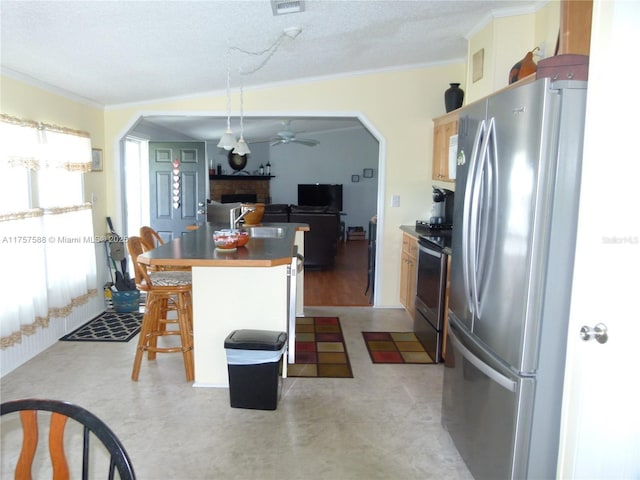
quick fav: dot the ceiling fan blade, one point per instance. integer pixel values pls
(306, 141)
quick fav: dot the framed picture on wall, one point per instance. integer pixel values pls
(367, 173)
(355, 178)
(96, 159)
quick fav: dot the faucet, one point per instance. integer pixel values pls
(234, 219)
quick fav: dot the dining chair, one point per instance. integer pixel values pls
(62, 440)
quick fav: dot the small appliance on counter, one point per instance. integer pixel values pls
(441, 211)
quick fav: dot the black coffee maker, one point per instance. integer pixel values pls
(442, 208)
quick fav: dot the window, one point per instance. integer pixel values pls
(46, 232)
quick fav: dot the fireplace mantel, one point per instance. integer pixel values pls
(241, 177)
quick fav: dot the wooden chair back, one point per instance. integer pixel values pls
(137, 246)
(151, 237)
(92, 427)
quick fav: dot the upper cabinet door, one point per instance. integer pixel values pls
(444, 128)
(575, 26)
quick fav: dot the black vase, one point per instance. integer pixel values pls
(453, 97)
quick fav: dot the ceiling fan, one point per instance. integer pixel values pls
(287, 136)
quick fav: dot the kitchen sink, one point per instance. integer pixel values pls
(266, 232)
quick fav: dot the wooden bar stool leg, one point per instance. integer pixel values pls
(145, 330)
(186, 337)
(155, 326)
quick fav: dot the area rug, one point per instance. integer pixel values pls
(107, 327)
(320, 349)
(395, 347)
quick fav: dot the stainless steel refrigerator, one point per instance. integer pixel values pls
(515, 217)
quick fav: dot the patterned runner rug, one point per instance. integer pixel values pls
(395, 347)
(320, 349)
(107, 327)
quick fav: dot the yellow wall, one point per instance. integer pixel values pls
(506, 41)
(33, 103)
(398, 105)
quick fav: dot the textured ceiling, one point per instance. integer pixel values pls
(119, 52)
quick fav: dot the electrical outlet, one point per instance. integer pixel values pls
(542, 50)
(395, 201)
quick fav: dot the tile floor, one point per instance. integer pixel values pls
(382, 424)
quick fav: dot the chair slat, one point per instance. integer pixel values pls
(29, 419)
(85, 453)
(56, 446)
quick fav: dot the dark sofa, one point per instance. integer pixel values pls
(321, 241)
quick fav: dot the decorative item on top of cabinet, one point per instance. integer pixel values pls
(443, 129)
(408, 273)
(524, 67)
(453, 97)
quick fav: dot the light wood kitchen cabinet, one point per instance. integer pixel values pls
(575, 26)
(444, 127)
(408, 273)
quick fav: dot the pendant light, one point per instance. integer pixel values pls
(228, 140)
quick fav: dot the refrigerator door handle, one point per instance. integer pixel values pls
(478, 198)
(467, 245)
(494, 375)
(487, 212)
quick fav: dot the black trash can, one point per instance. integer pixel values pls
(253, 361)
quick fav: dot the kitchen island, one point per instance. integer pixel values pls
(243, 289)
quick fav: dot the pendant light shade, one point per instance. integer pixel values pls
(242, 148)
(228, 140)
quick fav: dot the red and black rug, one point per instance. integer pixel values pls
(395, 347)
(320, 349)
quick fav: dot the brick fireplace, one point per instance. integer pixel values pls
(240, 185)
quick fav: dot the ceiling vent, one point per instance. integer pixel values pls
(282, 7)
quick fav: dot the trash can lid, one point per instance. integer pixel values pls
(255, 340)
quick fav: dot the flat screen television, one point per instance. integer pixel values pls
(320, 195)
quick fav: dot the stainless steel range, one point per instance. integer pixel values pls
(428, 323)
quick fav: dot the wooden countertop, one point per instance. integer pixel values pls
(196, 249)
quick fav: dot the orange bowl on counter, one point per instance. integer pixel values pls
(225, 240)
(243, 238)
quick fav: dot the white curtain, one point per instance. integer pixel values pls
(46, 234)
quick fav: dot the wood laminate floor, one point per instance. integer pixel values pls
(345, 284)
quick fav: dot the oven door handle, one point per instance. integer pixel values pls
(428, 251)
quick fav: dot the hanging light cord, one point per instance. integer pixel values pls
(241, 108)
(228, 92)
(271, 50)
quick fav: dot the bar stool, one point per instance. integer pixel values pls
(150, 240)
(150, 237)
(165, 291)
